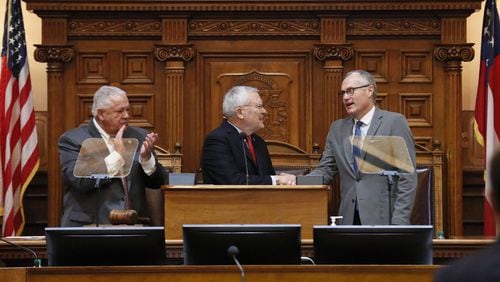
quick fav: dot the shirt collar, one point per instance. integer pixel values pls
(367, 118)
(239, 130)
(103, 133)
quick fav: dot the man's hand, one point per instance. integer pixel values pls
(118, 141)
(148, 146)
(285, 179)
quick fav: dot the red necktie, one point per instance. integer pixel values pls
(250, 148)
(125, 191)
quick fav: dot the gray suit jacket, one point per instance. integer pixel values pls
(82, 199)
(369, 189)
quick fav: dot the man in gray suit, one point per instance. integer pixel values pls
(365, 197)
(81, 199)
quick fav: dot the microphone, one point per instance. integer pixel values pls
(243, 136)
(36, 261)
(233, 251)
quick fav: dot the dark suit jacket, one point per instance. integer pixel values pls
(370, 190)
(483, 266)
(82, 199)
(222, 160)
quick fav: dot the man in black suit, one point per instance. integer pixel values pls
(485, 265)
(223, 159)
(82, 201)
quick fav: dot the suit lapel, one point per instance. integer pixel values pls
(372, 130)
(347, 142)
(236, 141)
(93, 130)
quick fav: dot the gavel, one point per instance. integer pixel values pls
(129, 217)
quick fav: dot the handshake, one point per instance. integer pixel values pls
(285, 179)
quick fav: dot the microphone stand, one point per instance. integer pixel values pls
(390, 182)
(37, 262)
(98, 178)
(243, 143)
(233, 251)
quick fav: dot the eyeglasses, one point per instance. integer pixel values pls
(350, 91)
(258, 106)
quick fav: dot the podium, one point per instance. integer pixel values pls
(240, 204)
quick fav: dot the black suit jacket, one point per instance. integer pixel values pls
(483, 266)
(222, 160)
(82, 199)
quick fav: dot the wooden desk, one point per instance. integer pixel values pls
(236, 204)
(303, 273)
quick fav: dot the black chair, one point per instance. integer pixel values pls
(423, 207)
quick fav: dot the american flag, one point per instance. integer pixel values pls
(487, 111)
(19, 159)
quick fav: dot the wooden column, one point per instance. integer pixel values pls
(55, 52)
(452, 52)
(174, 51)
(55, 57)
(332, 50)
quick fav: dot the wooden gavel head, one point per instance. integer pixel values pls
(123, 217)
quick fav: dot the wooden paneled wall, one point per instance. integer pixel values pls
(176, 59)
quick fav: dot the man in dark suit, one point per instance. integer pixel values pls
(364, 197)
(110, 123)
(483, 266)
(223, 160)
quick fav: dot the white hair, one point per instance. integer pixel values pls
(236, 97)
(101, 97)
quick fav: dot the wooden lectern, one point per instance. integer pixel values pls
(237, 204)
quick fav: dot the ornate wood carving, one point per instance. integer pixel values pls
(263, 6)
(275, 27)
(333, 52)
(174, 53)
(114, 27)
(274, 89)
(394, 26)
(47, 53)
(463, 53)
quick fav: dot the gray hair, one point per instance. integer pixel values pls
(101, 97)
(368, 78)
(235, 97)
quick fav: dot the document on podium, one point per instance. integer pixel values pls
(90, 162)
(384, 153)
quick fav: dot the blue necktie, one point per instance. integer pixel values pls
(356, 145)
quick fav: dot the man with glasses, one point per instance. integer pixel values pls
(364, 197)
(233, 153)
(83, 203)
